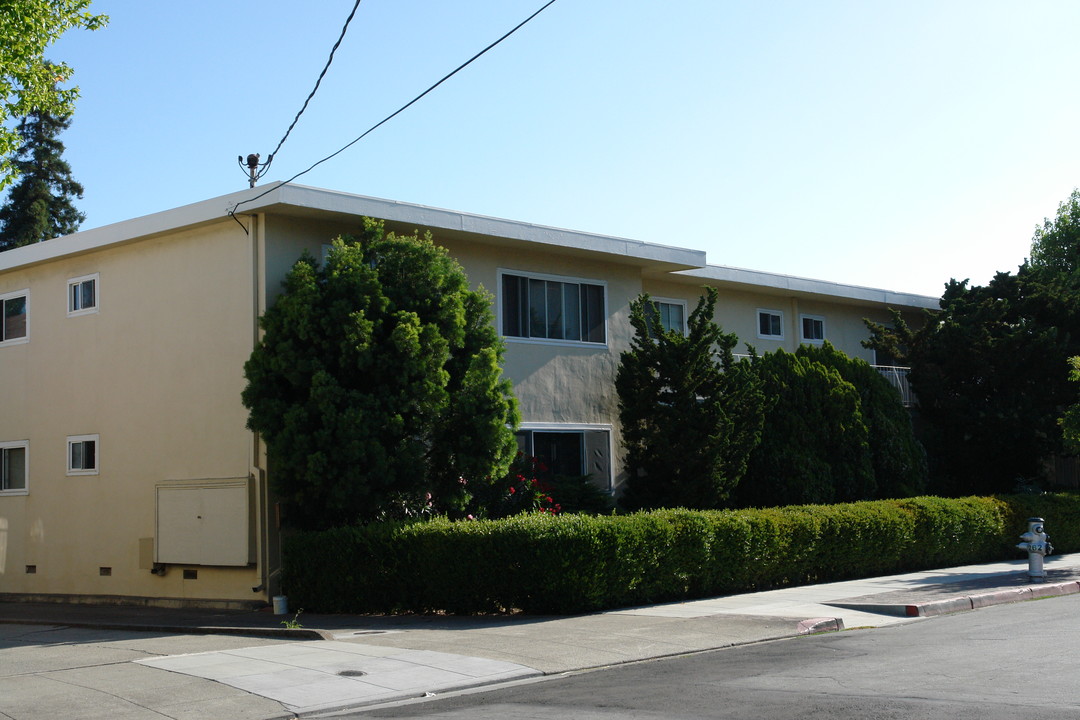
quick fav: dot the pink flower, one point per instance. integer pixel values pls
(512, 490)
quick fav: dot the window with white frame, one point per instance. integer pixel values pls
(14, 314)
(83, 295)
(770, 324)
(14, 465)
(82, 452)
(568, 450)
(545, 307)
(669, 315)
(813, 328)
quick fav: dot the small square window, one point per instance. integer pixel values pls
(83, 455)
(14, 317)
(670, 315)
(813, 328)
(82, 295)
(13, 467)
(770, 324)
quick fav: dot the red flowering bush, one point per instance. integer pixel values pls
(524, 488)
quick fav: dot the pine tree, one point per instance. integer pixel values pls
(40, 206)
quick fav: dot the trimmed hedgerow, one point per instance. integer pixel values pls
(541, 563)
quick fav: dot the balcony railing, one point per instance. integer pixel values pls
(895, 374)
(898, 378)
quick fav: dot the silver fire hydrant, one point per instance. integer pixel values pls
(1037, 544)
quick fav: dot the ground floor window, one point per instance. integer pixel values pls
(13, 462)
(570, 450)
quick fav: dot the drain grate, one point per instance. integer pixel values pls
(352, 673)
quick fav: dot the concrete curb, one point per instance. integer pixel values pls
(972, 602)
(820, 625)
(278, 633)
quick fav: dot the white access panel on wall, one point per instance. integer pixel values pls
(203, 522)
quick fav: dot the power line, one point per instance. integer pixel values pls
(397, 112)
(318, 81)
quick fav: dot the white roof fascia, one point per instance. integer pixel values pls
(280, 198)
(807, 286)
(424, 216)
(169, 220)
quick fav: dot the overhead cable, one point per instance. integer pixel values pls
(329, 60)
(397, 112)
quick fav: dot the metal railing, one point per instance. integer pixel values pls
(898, 378)
(895, 374)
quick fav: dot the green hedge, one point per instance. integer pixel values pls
(577, 563)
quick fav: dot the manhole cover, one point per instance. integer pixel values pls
(352, 673)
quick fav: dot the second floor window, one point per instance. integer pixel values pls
(669, 315)
(14, 311)
(813, 328)
(770, 324)
(82, 295)
(82, 455)
(552, 309)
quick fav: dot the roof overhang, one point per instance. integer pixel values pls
(300, 201)
(791, 286)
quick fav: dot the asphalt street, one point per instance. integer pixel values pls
(124, 662)
(1001, 663)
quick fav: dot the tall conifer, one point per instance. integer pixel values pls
(40, 206)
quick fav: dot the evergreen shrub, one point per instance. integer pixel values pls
(543, 563)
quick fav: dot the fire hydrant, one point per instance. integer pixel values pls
(1037, 544)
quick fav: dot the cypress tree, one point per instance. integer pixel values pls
(40, 206)
(690, 414)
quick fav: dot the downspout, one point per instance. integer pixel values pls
(796, 329)
(258, 469)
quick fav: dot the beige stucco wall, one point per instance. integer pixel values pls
(557, 383)
(737, 312)
(157, 374)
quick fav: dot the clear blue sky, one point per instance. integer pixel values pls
(894, 145)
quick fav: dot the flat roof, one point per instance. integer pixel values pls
(793, 285)
(304, 201)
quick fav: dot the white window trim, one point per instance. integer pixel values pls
(812, 341)
(554, 278)
(25, 292)
(72, 439)
(675, 301)
(757, 324)
(97, 295)
(581, 427)
(25, 444)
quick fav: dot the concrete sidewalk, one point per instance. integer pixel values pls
(121, 662)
